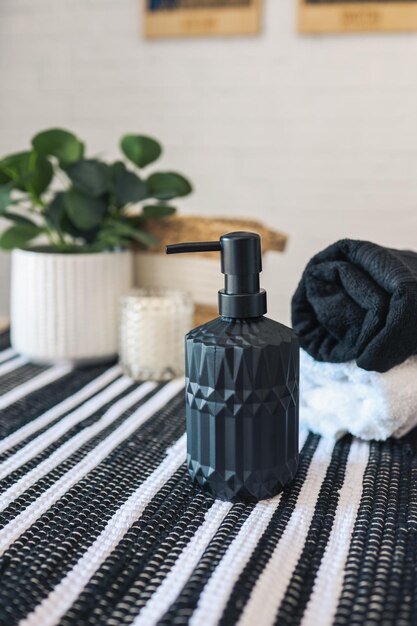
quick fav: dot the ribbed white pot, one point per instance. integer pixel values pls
(64, 307)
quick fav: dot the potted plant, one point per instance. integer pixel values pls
(73, 222)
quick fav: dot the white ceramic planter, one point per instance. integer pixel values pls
(64, 307)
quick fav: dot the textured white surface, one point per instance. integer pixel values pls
(65, 306)
(11, 531)
(60, 409)
(336, 398)
(7, 354)
(73, 444)
(316, 136)
(322, 605)
(12, 364)
(188, 560)
(234, 560)
(33, 448)
(48, 376)
(240, 570)
(60, 599)
(271, 585)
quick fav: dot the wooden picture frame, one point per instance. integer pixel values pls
(185, 18)
(331, 16)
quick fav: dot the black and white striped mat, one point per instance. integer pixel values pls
(99, 523)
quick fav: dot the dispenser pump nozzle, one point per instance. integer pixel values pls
(241, 264)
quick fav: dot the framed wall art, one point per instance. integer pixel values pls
(344, 16)
(182, 18)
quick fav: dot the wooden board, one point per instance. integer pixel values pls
(326, 16)
(202, 17)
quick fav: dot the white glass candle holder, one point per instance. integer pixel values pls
(153, 323)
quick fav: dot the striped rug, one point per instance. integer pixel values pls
(99, 523)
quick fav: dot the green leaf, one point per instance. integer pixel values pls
(55, 211)
(30, 172)
(4, 179)
(19, 235)
(127, 186)
(5, 199)
(89, 176)
(167, 185)
(145, 238)
(129, 231)
(140, 150)
(84, 211)
(158, 210)
(56, 216)
(58, 143)
(17, 218)
(116, 170)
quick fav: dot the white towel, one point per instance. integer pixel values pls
(337, 398)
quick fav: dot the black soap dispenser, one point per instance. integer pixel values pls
(242, 379)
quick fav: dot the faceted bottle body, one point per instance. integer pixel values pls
(242, 387)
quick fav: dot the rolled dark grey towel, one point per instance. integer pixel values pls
(358, 301)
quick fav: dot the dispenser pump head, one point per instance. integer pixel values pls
(241, 264)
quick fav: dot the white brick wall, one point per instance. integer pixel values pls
(314, 135)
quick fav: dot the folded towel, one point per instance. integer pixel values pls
(336, 398)
(358, 301)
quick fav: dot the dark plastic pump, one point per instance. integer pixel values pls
(242, 379)
(241, 264)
